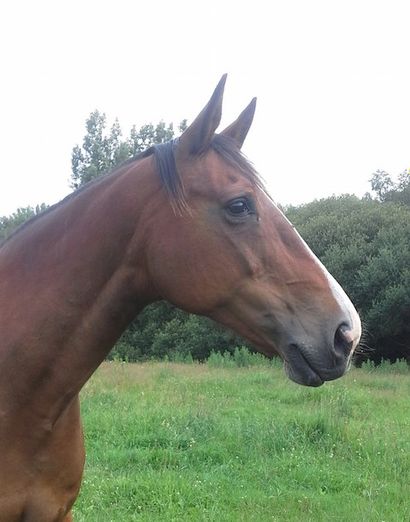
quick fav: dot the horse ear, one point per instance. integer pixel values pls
(240, 127)
(197, 137)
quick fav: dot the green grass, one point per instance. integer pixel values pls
(179, 442)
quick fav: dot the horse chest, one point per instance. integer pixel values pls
(38, 491)
(40, 476)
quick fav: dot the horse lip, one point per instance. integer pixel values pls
(300, 370)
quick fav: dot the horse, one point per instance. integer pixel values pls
(188, 221)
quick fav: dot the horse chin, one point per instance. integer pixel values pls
(304, 375)
(301, 370)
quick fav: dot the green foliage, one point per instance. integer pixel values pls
(401, 367)
(147, 135)
(381, 184)
(162, 330)
(241, 357)
(102, 150)
(388, 190)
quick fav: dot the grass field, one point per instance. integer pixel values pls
(189, 442)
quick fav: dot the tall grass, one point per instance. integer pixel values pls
(240, 358)
(218, 442)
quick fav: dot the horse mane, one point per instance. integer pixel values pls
(225, 146)
(164, 154)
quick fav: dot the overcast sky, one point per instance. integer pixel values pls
(332, 81)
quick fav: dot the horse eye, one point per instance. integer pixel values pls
(240, 207)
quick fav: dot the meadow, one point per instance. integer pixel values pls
(214, 442)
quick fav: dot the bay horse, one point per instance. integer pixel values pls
(188, 221)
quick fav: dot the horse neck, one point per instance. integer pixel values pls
(70, 283)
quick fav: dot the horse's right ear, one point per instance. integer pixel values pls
(197, 137)
(240, 127)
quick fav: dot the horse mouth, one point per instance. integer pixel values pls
(300, 370)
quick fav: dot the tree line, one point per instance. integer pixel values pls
(364, 243)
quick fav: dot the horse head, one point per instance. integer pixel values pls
(223, 249)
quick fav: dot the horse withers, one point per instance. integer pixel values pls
(188, 221)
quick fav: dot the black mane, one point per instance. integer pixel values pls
(225, 146)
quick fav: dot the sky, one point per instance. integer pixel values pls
(332, 81)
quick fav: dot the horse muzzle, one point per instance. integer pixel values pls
(311, 365)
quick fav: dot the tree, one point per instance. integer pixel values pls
(163, 330)
(148, 135)
(381, 184)
(102, 150)
(387, 190)
(95, 156)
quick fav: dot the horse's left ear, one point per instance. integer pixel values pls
(197, 137)
(240, 127)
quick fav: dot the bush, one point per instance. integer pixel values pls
(242, 357)
(402, 367)
(162, 330)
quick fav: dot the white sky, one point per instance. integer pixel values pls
(332, 81)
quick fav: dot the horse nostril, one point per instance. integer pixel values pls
(343, 341)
